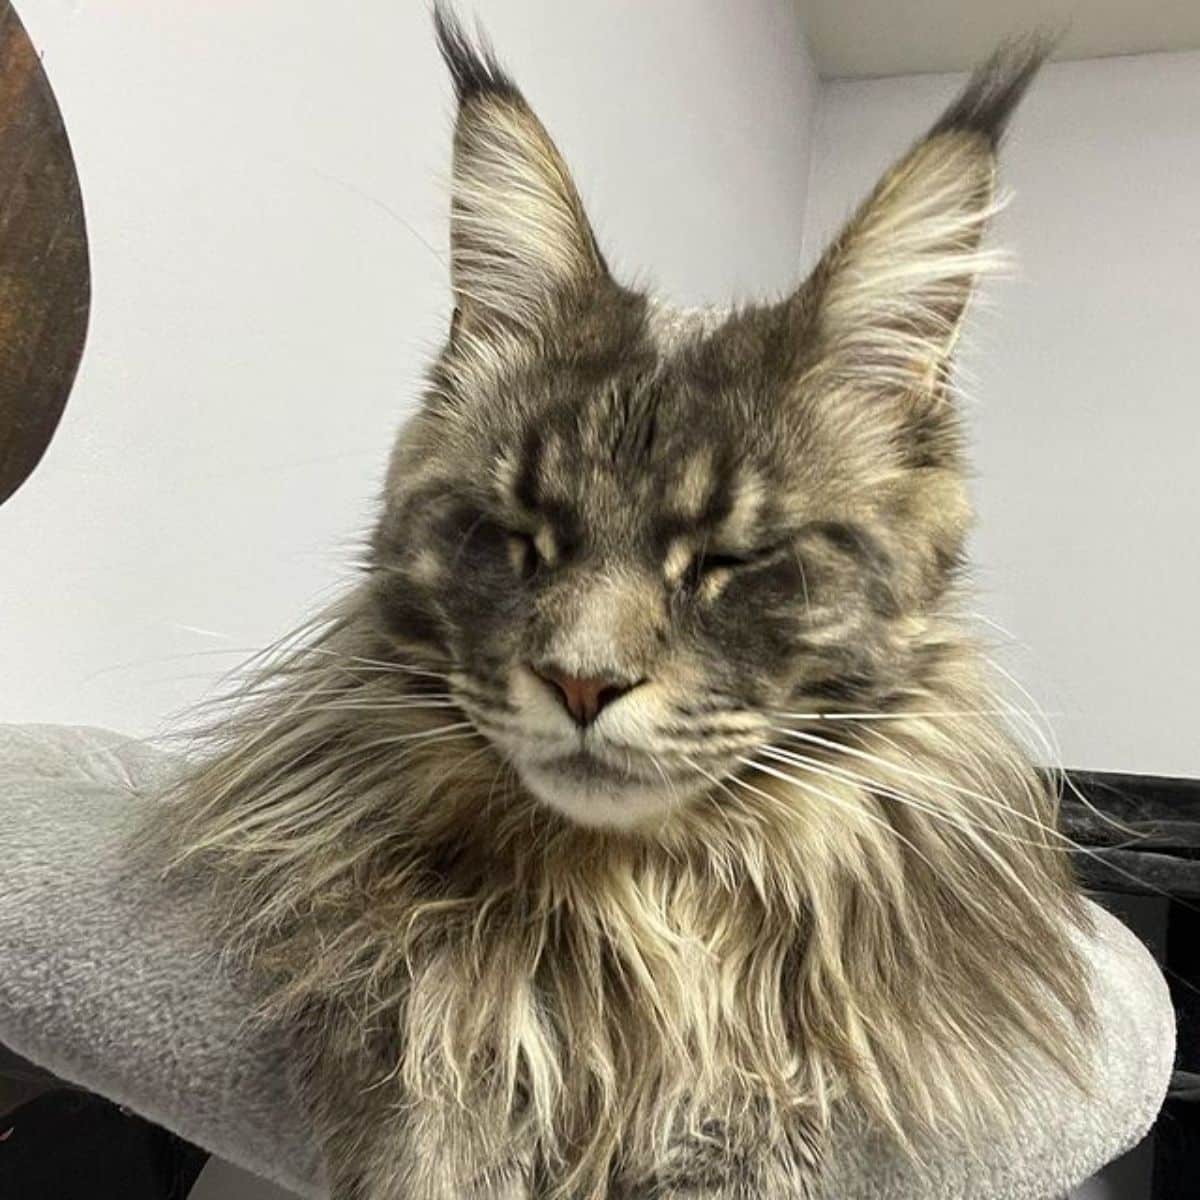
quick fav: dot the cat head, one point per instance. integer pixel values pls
(634, 537)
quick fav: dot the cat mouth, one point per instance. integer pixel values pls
(594, 791)
(583, 766)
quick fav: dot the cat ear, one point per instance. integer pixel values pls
(887, 299)
(519, 236)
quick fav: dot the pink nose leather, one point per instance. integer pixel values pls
(583, 698)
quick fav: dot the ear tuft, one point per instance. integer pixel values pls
(995, 89)
(473, 66)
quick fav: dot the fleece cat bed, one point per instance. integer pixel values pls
(111, 984)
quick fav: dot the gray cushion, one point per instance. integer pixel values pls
(111, 985)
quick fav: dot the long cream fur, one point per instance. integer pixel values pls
(811, 935)
(871, 912)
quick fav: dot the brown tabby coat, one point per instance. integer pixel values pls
(794, 864)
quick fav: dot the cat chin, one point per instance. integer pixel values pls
(599, 803)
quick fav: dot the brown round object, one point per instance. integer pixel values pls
(45, 287)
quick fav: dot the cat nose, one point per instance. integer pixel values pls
(584, 699)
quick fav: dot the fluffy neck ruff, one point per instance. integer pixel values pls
(879, 915)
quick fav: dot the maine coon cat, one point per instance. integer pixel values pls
(644, 806)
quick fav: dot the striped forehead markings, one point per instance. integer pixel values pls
(542, 470)
(703, 499)
(738, 527)
(747, 499)
(525, 484)
(692, 487)
(727, 509)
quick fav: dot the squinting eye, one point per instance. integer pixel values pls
(707, 561)
(723, 562)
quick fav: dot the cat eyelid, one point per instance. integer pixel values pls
(723, 561)
(720, 559)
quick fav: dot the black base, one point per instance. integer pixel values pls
(69, 1145)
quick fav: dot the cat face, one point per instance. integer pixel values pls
(634, 538)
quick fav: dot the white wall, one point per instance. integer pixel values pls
(1085, 392)
(265, 190)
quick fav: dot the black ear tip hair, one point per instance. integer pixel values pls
(471, 61)
(996, 87)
